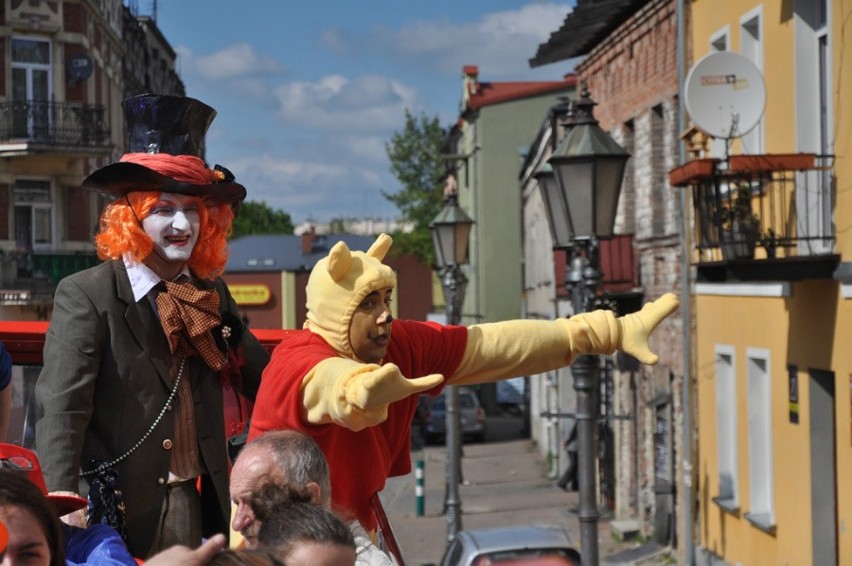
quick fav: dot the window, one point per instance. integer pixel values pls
(33, 214)
(751, 47)
(761, 470)
(814, 122)
(31, 87)
(719, 42)
(726, 422)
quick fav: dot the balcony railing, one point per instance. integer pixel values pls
(773, 210)
(29, 278)
(54, 123)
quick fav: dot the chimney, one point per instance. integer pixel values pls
(308, 237)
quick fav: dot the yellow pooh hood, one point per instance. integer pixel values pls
(337, 285)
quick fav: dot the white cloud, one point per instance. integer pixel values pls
(368, 103)
(312, 188)
(500, 43)
(235, 61)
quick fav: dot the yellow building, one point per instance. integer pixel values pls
(773, 258)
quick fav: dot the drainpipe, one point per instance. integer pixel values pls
(685, 302)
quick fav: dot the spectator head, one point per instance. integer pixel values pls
(305, 534)
(287, 459)
(34, 535)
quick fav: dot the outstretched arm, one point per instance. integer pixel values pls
(522, 347)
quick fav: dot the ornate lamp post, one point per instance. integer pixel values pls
(580, 191)
(450, 233)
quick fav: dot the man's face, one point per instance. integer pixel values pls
(370, 328)
(252, 469)
(173, 225)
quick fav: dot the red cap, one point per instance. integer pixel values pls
(63, 504)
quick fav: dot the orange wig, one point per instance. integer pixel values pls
(120, 223)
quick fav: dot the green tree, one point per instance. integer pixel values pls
(415, 160)
(258, 218)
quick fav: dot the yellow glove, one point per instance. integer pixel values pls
(356, 395)
(635, 328)
(385, 385)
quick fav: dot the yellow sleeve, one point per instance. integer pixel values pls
(513, 348)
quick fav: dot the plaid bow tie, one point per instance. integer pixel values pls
(188, 314)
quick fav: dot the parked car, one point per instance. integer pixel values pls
(471, 416)
(547, 545)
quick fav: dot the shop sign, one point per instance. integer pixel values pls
(250, 295)
(15, 297)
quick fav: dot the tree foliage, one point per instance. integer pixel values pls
(258, 218)
(415, 160)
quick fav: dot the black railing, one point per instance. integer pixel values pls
(760, 207)
(54, 123)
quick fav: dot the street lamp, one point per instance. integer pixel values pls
(580, 192)
(450, 233)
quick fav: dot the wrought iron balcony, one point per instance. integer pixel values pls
(762, 217)
(70, 124)
(31, 277)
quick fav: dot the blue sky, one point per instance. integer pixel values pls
(308, 93)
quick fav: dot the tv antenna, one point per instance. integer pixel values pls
(725, 95)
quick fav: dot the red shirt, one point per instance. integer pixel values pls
(360, 462)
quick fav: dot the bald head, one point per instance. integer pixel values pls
(285, 458)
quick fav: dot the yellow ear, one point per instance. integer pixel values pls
(380, 247)
(339, 260)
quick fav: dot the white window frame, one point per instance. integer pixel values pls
(726, 428)
(35, 207)
(760, 454)
(751, 47)
(814, 115)
(33, 123)
(719, 41)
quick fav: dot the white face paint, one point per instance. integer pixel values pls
(173, 226)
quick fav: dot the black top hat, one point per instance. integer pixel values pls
(164, 124)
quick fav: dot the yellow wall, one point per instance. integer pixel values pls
(784, 326)
(710, 16)
(809, 329)
(842, 55)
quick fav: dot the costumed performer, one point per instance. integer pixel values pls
(140, 347)
(352, 376)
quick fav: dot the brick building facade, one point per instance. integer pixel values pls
(633, 76)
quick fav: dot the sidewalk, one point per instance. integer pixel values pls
(505, 484)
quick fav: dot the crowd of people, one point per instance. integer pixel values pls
(131, 450)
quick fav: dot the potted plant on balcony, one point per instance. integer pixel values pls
(738, 225)
(770, 242)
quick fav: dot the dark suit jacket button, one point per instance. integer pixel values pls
(161, 481)
(167, 444)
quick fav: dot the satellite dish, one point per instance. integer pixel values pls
(79, 68)
(725, 94)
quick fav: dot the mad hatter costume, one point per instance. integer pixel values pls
(131, 386)
(360, 413)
